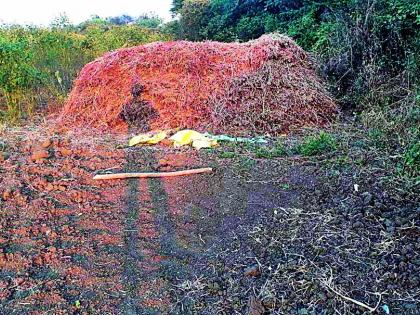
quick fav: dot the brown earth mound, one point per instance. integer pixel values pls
(266, 86)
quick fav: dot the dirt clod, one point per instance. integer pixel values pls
(65, 152)
(7, 194)
(49, 187)
(39, 155)
(256, 307)
(253, 271)
(46, 143)
(163, 163)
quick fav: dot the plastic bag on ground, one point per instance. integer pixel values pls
(258, 140)
(148, 138)
(193, 138)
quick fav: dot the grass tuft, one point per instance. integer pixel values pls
(314, 145)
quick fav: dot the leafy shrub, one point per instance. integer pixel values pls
(193, 18)
(38, 65)
(100, 37)
(370, 49)
(17, 77)
(149, 21)
(59, 55)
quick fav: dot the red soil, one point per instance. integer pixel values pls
(63, 235)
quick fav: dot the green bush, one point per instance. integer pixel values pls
(38, 65)
(370, 50)
(18, 76)
(101, 37)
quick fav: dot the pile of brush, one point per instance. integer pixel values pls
(266, 86)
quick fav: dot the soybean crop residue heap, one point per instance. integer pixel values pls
(266, 86)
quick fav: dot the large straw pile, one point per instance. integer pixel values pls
(266, 86)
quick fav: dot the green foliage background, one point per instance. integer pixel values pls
(355, 39)
(368, 50)
(38, 65)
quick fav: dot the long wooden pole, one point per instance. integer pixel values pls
(152, 175)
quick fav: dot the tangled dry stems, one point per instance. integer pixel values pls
(306, 259)
(266, 86)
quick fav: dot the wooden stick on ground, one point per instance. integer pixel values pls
(152, 175)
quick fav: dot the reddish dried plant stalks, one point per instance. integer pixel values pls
(266, 86)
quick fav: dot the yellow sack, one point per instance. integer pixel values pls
(201, 143)
(194, 138)
(148, 138)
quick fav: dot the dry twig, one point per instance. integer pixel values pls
(152, 175)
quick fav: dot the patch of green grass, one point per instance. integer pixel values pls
(360, 162)
(12, 248)
(284, 186)
(361, 144)
(45, 274)
(227, 155)
(246, 164)
(263, 153)
(412, 159)
(376, 138)
(270, 153)
(340, 161)
(266, 151)
(80, 260)
(22, 294)
(314, 145)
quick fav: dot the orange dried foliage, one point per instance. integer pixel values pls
(264, 86)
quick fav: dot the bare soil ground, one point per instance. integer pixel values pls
(288, 235)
